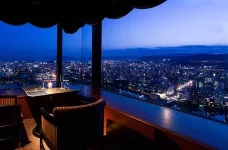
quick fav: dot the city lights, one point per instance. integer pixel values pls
(157, 81)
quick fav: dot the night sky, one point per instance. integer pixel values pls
(174, 23)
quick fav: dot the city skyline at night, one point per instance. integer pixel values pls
(161, 72)
(174, 55)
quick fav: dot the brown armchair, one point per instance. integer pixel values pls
(10, 122)
(73, 127)
(10, 125)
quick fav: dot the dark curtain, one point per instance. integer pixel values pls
(69, 14)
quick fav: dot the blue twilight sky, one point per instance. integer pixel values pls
(174, 23)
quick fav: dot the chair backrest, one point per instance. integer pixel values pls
(10, 114)
(10, 121)
(8, 100)
(84, 123)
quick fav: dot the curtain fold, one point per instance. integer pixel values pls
(69, 14)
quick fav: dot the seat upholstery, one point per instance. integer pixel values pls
(74, 127)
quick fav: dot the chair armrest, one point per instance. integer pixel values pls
(47, 116)
(48, 128)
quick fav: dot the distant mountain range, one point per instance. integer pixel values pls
(66, 58)
(174, 51)
(187, 59)
(202, 56)
(123, 54)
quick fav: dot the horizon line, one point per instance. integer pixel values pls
(155, 47)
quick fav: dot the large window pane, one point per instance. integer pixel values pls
(27, 55)
(174, 55)
(77, 52)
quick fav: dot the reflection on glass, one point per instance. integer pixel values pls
(77, 51)
(166, 115)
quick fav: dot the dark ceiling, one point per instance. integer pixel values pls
(69, 14)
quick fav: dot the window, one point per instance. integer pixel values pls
(28, 55)
(77, 53)
(174, 55)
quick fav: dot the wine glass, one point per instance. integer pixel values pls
(61, 85)
(43, 85)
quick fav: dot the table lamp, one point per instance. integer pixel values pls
(49, 85)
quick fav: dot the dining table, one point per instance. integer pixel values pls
(39, 97)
